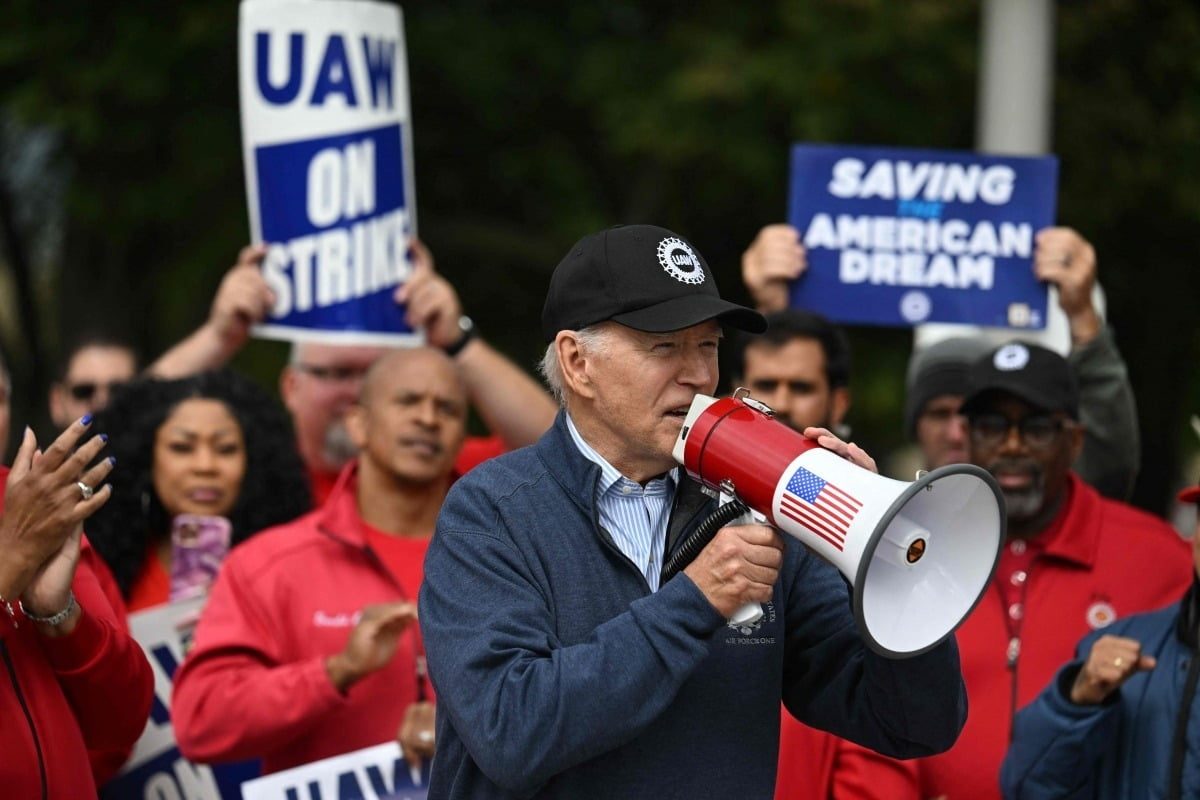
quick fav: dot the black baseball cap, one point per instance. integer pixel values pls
(939, 369)
(1039, 376)
(642, 276)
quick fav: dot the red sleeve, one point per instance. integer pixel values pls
(108, 762)
(101, 669)
(234, 698)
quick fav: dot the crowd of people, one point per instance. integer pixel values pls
(497, 604)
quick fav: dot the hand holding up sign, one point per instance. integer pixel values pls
(432, 303)
(243, 300)
(1063, 257)
(774, 258)
(372, 643)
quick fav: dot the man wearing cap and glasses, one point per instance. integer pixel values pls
(1117, 720)
(1074, 561)
(562, 667)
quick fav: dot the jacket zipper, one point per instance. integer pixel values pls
(12, 675)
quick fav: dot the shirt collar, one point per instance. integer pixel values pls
(610, 476)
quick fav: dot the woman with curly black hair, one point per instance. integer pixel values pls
(212, 445)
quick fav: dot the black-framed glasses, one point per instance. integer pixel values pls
(1036, 430)
(85, 391)
(339, 374)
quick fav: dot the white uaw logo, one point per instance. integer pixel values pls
(679, 261)
(1011, 357)
(1100, 614)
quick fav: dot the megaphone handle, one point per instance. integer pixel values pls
(747, 614)
(751, 612)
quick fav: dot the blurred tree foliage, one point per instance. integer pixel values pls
(536, 122)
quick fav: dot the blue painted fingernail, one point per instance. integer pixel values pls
(112, 459)
(104, 437)
(87, 419)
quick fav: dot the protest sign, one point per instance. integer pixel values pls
(156, 770)
(373, 773)
(903, 237)
(326, 139)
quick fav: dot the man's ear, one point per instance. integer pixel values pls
(839, 404)
(356, 425)
(287, 387)
(573, 363)
(58, 403)
(1076, 434)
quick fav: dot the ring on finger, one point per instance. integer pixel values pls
(85, 490)
(1118, 662)
(425, 736)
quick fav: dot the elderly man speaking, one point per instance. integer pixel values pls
(563, 668)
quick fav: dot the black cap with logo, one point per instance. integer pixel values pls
(642, 276)
(1039, 376)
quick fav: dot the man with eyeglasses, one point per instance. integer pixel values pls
(1108, 459)
(93, 367)
(1073, 562)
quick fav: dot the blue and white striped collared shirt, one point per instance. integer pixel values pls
(636, 516)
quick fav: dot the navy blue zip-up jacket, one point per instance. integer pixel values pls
(1127, 747)
(559, 674)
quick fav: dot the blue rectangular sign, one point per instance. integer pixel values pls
(333, 210)
(902, 237)
(326, 140)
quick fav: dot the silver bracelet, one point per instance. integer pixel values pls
(53, 619)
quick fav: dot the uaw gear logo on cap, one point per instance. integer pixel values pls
(679, 261)
(1011, 357)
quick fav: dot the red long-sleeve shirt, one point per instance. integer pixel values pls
(60, 697)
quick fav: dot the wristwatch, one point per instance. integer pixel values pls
(467, 326)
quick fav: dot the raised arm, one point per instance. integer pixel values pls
(511, 402)
(1112, 444)
(242, 300)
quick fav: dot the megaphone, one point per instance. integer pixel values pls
(919, 555)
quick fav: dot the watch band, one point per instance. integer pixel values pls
(467, 326)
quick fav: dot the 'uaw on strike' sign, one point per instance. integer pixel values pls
(326, 137)
(901, 237)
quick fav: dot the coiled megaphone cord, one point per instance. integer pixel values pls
(700, 538)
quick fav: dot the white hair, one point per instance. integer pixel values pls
(593, 339)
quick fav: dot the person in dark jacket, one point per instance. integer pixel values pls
(1120, 720)
(564, 666)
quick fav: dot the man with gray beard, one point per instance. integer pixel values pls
(1073, 563)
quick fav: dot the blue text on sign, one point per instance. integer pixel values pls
(334, 75)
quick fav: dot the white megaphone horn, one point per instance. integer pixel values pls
(918, 555)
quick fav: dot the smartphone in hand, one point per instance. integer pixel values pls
(198, 546)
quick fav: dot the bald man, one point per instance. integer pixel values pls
(307, 648)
